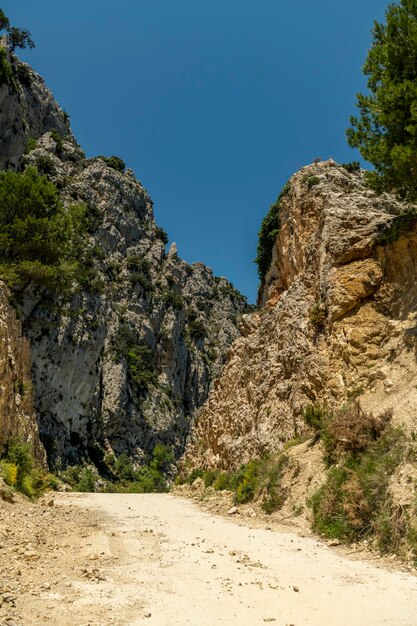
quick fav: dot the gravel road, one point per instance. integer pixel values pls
(160, 560)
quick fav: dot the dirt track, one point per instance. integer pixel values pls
(108, 559)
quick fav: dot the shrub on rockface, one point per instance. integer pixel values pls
(138, 358)
(123, 475)
(115, 162)
(348, 431)
(21, 472)
(16, 38)
(355, 499)
(362, 451)
(267, 235)
(260, 479)
(40, 239)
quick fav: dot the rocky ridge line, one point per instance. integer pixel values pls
(338, 320)
(137, 314)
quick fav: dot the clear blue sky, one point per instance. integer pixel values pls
(214, 105)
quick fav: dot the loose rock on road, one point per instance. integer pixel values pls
(159, 560)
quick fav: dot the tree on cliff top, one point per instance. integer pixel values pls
(19, 38)
(386, 130)
(16, 37)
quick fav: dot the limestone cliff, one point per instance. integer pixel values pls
(28, 109)
(124, 361)
(338, 319)
(17, 417)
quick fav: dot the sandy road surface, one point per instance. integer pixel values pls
(161, 561)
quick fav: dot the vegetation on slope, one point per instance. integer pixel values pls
(40, 239)
(260, 479)
(267, 235)
(21, 472)
(362, 452)
(13, 73)
(121, 475)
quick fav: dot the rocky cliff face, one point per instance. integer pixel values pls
(28, 109)
(124, 361)
(338, 319)
(17, 417)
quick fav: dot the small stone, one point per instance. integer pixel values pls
(30, 554)
(296, 589)
(148, 614)
(233, 510)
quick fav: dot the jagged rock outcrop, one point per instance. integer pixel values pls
(28, 109)
(124, 360)
(17, 416)
(338, 319)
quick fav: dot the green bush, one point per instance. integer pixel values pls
(210, 477)
(222, 482)
(194, 474)
(163, 458)
(136, 263)
(40, 240)
(23, 75)
(197, 330)
(316, 417)
(400, 224)
(125, 476)
(141, 272)
(137, 278)
(161, 234)
(87, 482)
(317, 315)
(123, 468)
(354, 166)
(271, 473)
(174, 299)
(45, 165)
(31, 144)
(245, 490)
(59, 141)
(353, 502)
(139, 364)
(250, 481)
(8, 472)
(137, 356)
(267, 235)
(80, 478)
(310, 181)
(6, 71)
(116, 163)
(20, 470)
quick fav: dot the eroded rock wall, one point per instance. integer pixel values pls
(28, 109)
(135, 294)
(124, 360)
(17, 416)
(339, 319)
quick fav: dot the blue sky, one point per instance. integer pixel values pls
(214, 105)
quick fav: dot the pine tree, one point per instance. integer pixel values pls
(386, 131)
(16, 37)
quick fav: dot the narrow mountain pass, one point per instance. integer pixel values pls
(160, 560)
